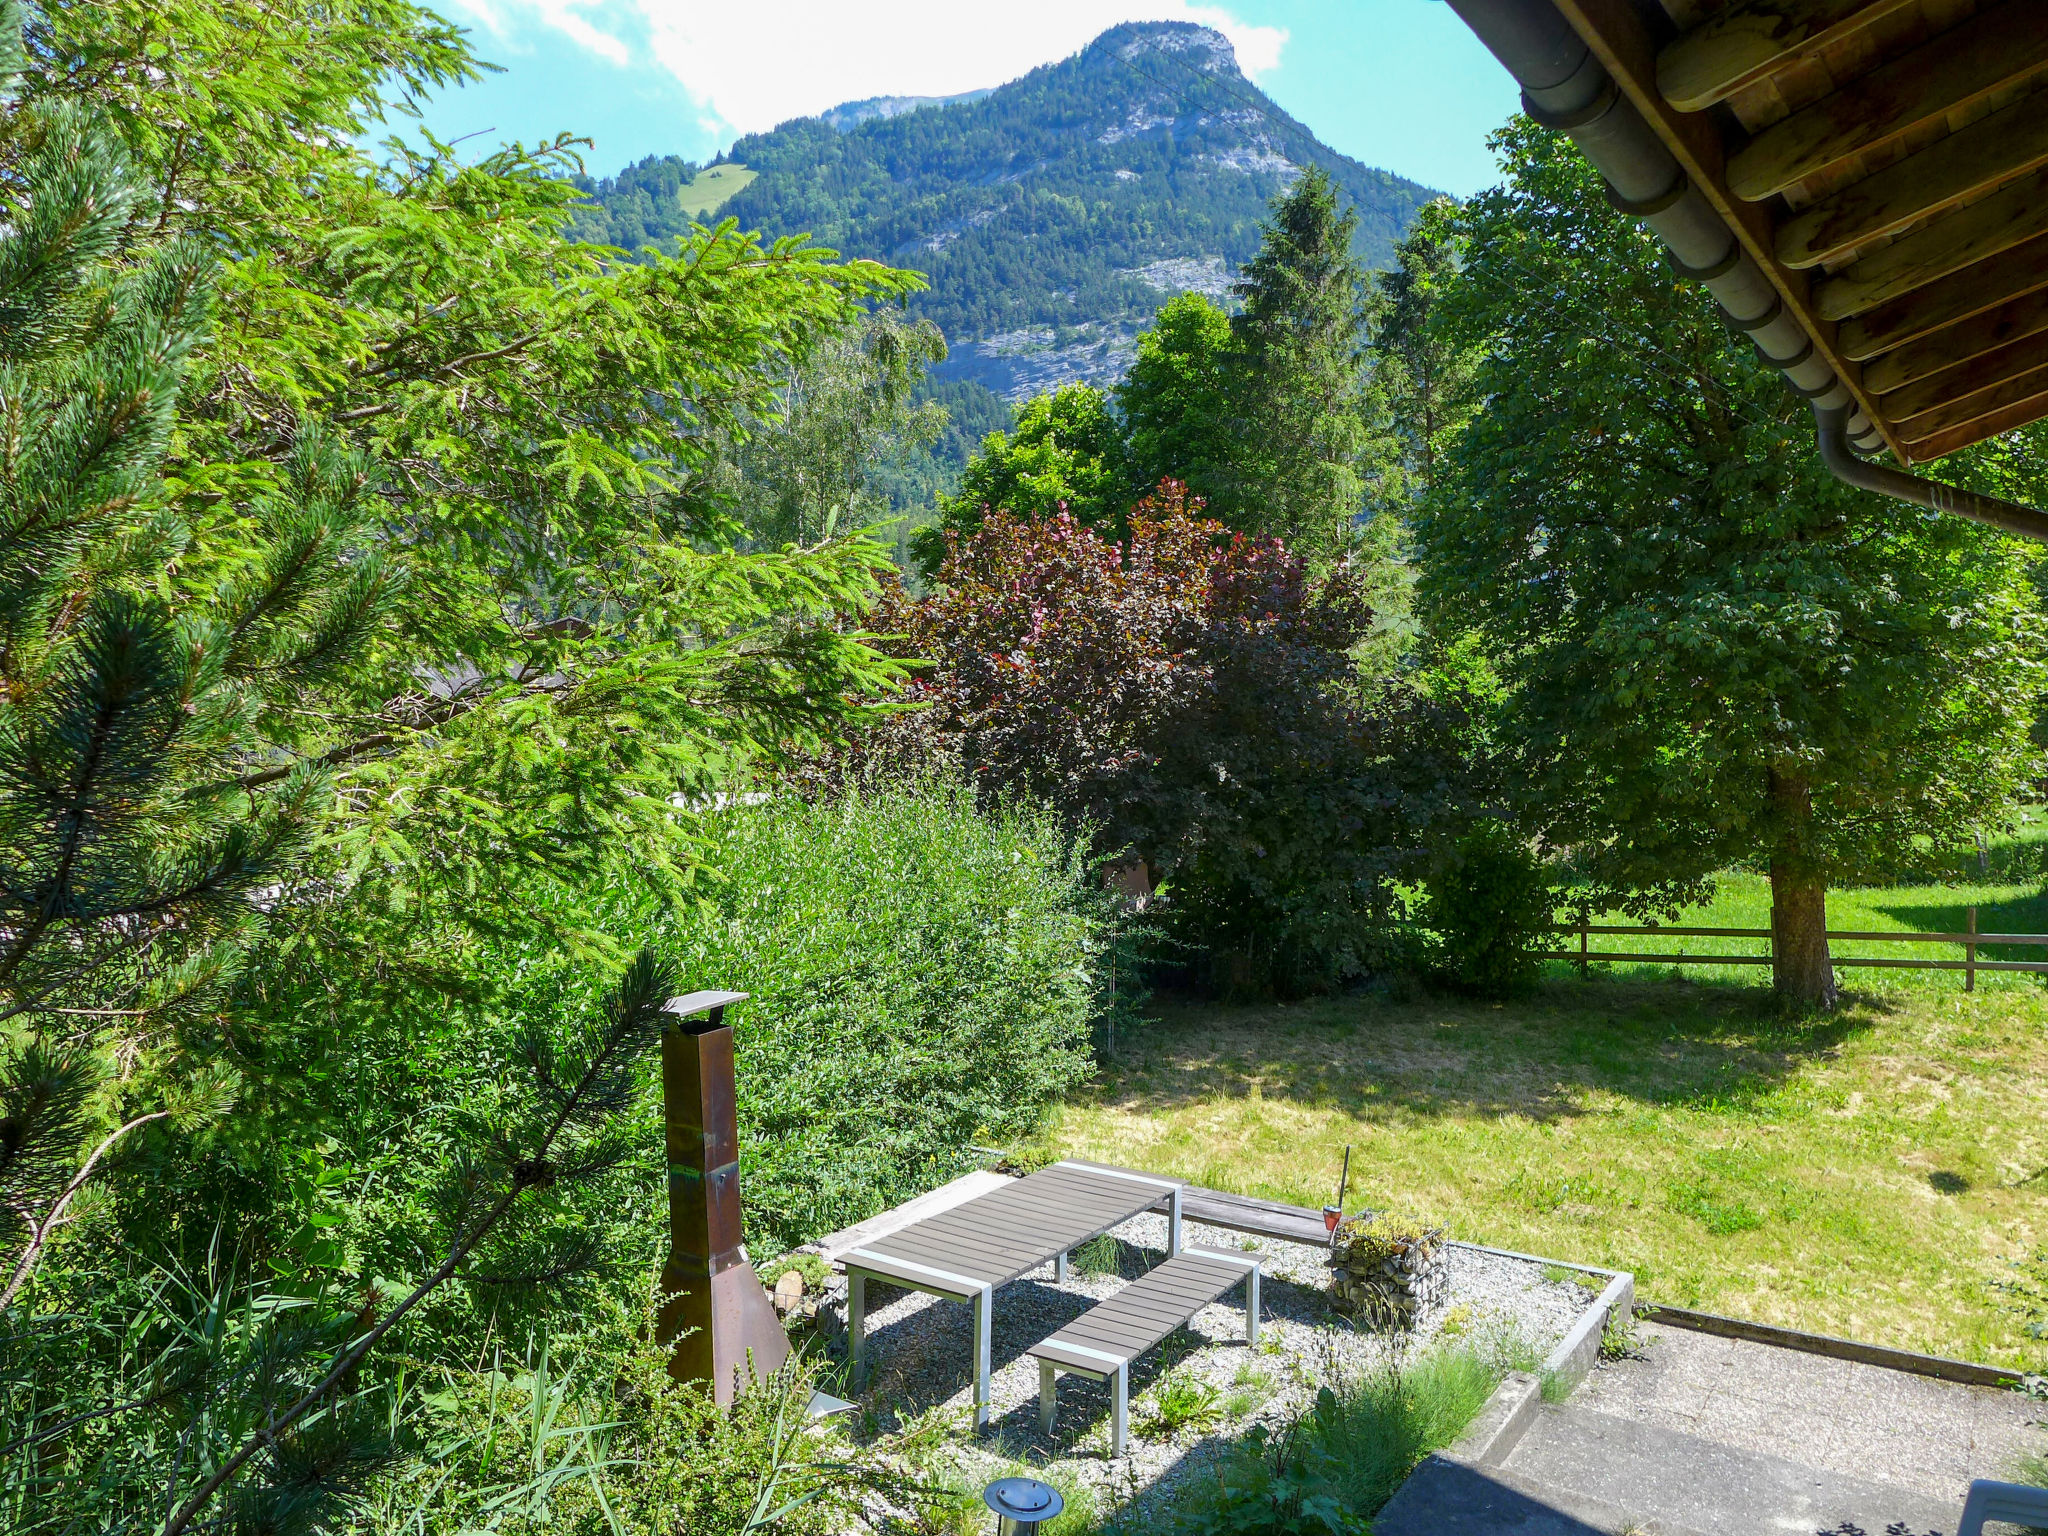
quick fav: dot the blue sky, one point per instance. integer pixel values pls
(1395, 83)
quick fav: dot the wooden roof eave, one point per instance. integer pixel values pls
(1618, 36)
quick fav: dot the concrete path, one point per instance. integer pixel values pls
(1833, 1415)
(1716, 1437)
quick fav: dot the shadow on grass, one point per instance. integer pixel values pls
(2025, 914)
(1670, 1043)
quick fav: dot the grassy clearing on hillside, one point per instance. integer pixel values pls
(1871, 1174)
(709, 190)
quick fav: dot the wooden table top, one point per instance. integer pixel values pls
(994, 1238)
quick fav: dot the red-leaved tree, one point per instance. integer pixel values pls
(1188, 695)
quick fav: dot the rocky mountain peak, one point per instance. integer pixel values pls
(1052, 215)
(1189, 44)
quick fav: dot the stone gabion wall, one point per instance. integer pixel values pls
(1388, 1273)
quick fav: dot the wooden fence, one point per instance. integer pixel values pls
(1969, 965)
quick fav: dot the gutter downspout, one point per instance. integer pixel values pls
(1564, 87)
(1836, 453)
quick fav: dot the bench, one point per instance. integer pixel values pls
(2015, 1503)
(1102, 1342)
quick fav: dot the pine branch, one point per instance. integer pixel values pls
(40, 1231)
(632, 1017)
(332, 759)
(177, 1386)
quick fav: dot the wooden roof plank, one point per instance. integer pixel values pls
(1748, 41)
(1990, 151)
(2008, 217)
(1976, 431)
(2028, 387)
(1961, 382)
(1972, 291)
(1959, 68)
(1956, 345)
(1619, 38)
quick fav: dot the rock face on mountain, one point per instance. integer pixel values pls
(849, 115)
(1053, 214)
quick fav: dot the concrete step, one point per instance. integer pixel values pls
(1659, 1474)
(1443, 1497)
(1577, 1472)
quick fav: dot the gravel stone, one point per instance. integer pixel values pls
(920, 1353)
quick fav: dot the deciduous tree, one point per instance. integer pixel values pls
(1712, 652)
(1065, 455)
(847, 410)
(1175, 399)
(1189, 695)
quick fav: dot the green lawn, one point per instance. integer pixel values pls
(1873, 1174)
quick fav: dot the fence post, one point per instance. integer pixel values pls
(1970, 956)
(1584, 965)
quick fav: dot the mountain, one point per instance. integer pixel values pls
(1053, 214)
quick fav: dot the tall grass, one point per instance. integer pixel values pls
(1339, 1462)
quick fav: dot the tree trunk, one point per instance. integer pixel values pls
(1802, 970)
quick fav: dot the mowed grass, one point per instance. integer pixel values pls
(1872, 1174)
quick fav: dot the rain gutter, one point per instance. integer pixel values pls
(1566, 88)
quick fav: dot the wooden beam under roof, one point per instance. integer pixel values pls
(1990, 151)
(1753, 39)
(1972, 291)
(1999, 366)
(1902, 144)
(1616, 32)
(1963, 66)
(2010, 216)
(2027, 388)
(1950, 348)
(1976, 431)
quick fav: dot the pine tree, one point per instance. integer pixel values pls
(136, 849)
(1298, 440)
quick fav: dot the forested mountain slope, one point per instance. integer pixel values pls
(1053, 214)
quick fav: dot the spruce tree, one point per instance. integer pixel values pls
(1298, 442)
(1421, 375)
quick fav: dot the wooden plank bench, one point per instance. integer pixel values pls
(1102, 1342)
(970, 1251)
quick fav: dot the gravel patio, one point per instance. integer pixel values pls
(920, 1361)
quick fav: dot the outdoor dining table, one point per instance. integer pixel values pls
(968, 1252)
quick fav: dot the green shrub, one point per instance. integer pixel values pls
(922, 976)
(816, 1272)
(1334, 1467)
(1490, 901)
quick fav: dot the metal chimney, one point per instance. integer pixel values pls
(713, 1306)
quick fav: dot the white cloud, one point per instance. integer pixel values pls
(501, 19)
(756, 64)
